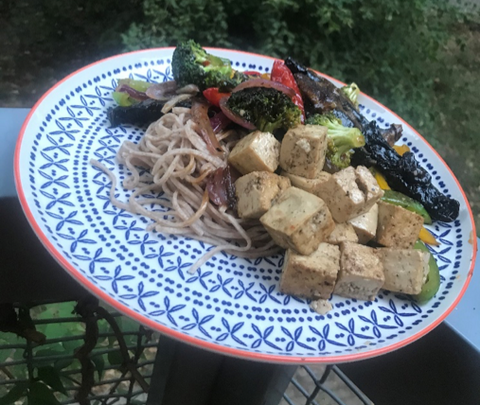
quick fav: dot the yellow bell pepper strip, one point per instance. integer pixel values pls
(401, 149)
(426, 237)
(380, 179)
(431, 286)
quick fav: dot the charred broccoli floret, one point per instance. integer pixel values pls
(191, 64)
(341, 140)
(351, 92)
(266, 108)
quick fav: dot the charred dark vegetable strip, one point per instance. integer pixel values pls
(392, 134)
(404, 174)
(141, 114)
(321, 96)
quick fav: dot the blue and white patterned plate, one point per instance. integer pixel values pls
(230, 305)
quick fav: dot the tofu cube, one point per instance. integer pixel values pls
(350, 193)
(298, 220)
(303, 150)
(397, 227)
(258, 151)
(313, 186)
(365, 225)
(405, 270)
(367, 183)
(361, 272)
(255, 192)
(342, 233)
(312, 276)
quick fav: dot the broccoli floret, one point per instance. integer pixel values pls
(340, 139)
(191, 64)
(266, 108)
(351, 92)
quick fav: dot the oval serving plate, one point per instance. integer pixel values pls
(231, 305)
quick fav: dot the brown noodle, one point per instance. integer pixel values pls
(179, 162)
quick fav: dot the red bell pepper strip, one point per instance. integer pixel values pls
(213, 96)
(283, 75)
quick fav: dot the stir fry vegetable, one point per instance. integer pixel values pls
(281, 74)
(404, 174)
(191, 64)
(351, 91)
(432, 285)
(396, 198)
(341, 140)
(267, 109)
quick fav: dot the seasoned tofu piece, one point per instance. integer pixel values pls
(313, 186)
(367, 183)
(321, 307)
(365, 225)
(405, 270)
(258, 151)
(397, 227)
(255, 192)
(303, 150)
(361, 272)
(312, 276)
(298, 220)
(350, 193)
(342, 233)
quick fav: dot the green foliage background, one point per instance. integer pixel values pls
(418, 57)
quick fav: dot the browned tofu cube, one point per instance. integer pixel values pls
(367, 183)
(298, 220)
(258, 151)
(350, 193)
(255, 192)
(405, 270)
(361, 272)
(313, 186)
(311, 276)
(303, 150)
(365, 225)
(397, 227)
(342, 233)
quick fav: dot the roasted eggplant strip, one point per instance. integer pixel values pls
(404, 174)
(141, 114)
(321, 96)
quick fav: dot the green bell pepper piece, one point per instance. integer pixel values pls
(432, 285)
(122, 99)
(396, 198)
(139, 85)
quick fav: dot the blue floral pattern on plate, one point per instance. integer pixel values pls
(231, 302)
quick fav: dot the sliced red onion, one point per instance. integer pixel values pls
(162, 91)
(188, 89)
(221, 186)
(265, 83)
(137, 95)
(173, 101)
(219, 122)
(200, 117)
(234, 117)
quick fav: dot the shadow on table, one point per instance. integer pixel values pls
(439, 369)
(28, 273)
